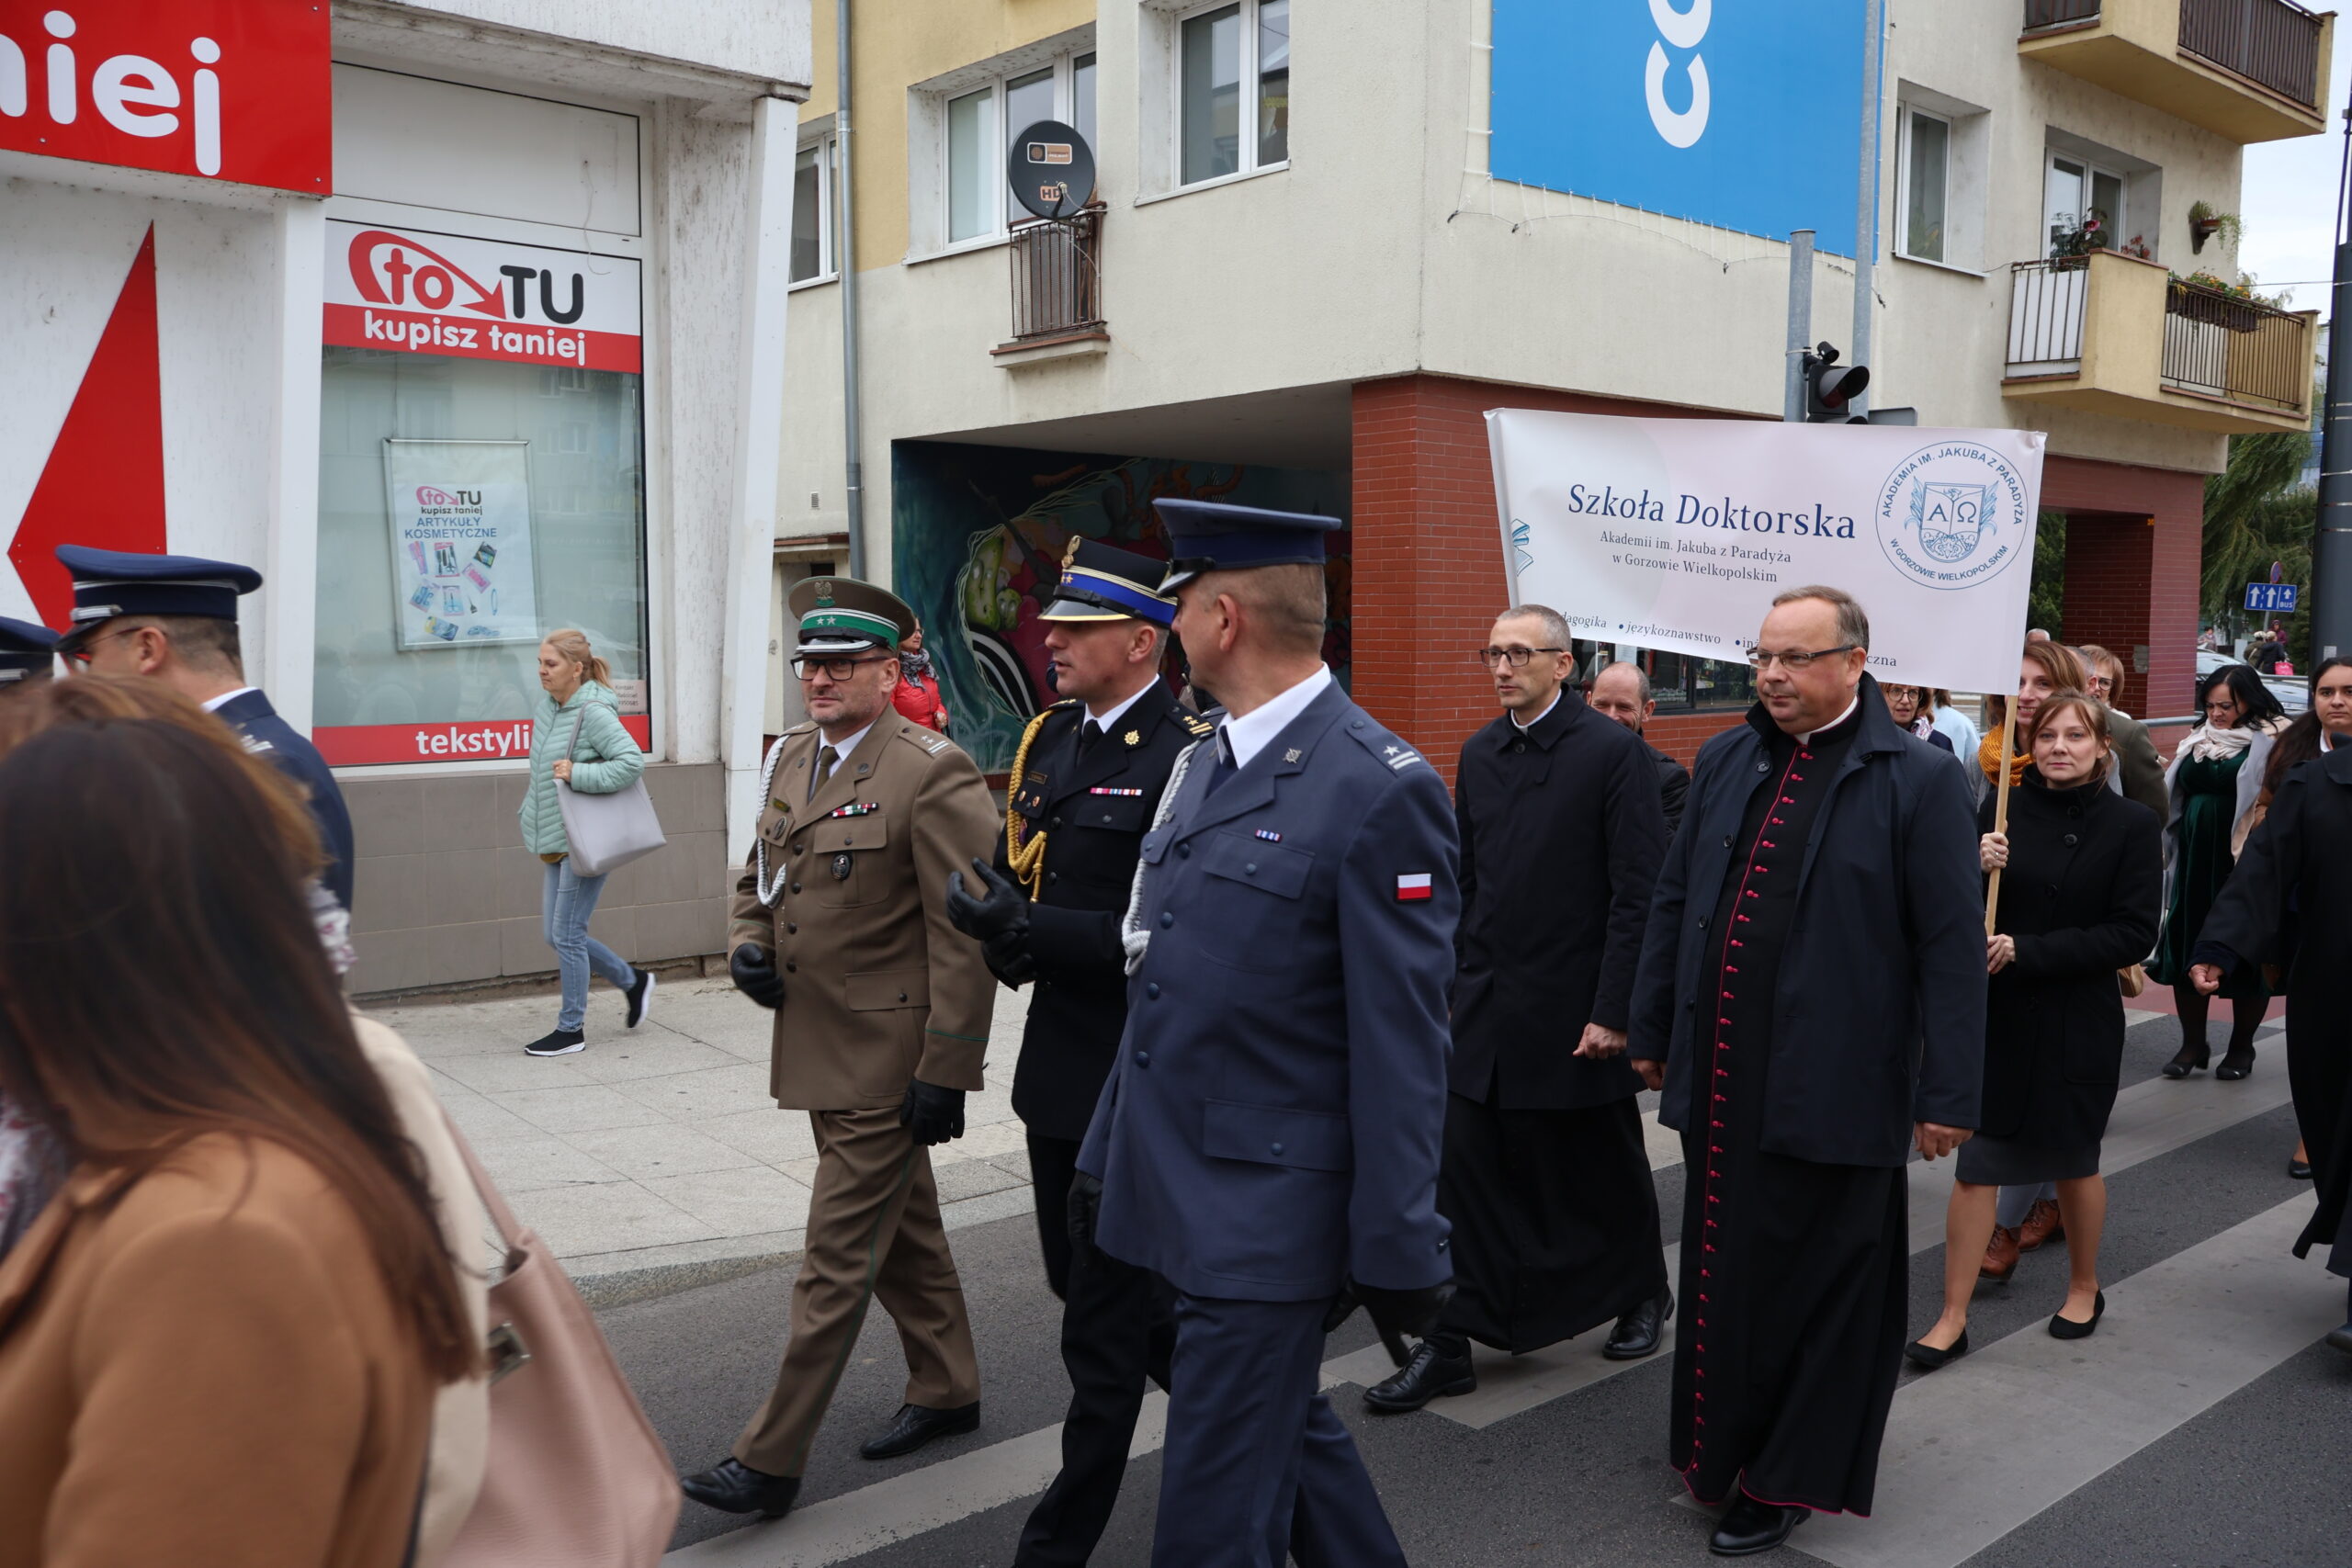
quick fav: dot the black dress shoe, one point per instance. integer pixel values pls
(917, 1425)
(2068, 1329)
(2188, 1059)
(1750, 1526)
(2236, 1065)
(1437, 1367)
(2300, 1170)
(1926, 1356)
(1637, 1333)
(733, 1487)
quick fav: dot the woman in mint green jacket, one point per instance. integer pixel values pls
(576, 737)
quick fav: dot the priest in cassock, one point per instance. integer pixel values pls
(1544, 1173)
(1810, 1000)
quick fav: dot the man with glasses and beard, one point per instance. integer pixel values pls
(881, 1021)
(1544, 1174)
(1811, 1000)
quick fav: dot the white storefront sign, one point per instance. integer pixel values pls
(415, 292)
(1676, 534)
(462, 566)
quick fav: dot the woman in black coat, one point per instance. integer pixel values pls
(2078, 902)
(2290, 902)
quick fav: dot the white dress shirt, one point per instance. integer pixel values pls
(1104, 721)
(840, 751)
(213, 703)
(1247, 736)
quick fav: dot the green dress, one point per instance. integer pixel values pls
(2201, 862)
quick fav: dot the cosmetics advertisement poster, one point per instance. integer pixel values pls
(461, 542)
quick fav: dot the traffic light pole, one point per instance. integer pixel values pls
(1866, 196)
(1800, 327)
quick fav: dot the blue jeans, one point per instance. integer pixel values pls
(566, 901)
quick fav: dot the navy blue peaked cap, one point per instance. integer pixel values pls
(1211, 535)
(1100, 583)
(24, 646)
(107, 583)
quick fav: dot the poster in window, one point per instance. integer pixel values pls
(461, 542)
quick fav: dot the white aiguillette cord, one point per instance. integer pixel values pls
(1132, 934)
(767, 889)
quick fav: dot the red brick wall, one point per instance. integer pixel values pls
(2135, 544)
(1428, 577)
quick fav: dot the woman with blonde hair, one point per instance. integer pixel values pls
(576, 739)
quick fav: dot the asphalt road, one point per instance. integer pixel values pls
(2202, 1428)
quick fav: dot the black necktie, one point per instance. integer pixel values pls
(1088, 734)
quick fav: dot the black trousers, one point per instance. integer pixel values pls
(1052, 1162)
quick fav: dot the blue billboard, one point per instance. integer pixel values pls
(1744, 114)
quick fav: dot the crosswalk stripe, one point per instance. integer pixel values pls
(2151, 1118)
(1980, 1448)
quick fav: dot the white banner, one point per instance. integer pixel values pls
(461, 542)
(1676, 534)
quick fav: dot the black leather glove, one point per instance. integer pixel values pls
(1085, 1207)
(1001, 911)
(933, 1114)
(1009, 959)
(753, 968)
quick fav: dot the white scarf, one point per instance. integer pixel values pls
(2207, 744)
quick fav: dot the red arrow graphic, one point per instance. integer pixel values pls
(486, 302)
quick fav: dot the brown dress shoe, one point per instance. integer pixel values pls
(2000, 1255)
(2042, 1224)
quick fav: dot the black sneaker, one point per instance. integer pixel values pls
(640, 996)
(558, 1043)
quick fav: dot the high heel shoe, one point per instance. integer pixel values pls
(2068, 1329)
(2188, 1059)
(2235, 1065)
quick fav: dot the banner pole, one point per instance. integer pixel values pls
(2000, 812)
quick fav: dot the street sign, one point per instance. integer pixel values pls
(2268, 597)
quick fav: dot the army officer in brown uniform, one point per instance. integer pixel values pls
(881, 1020)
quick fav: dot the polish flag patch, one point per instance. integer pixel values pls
(1413, 887)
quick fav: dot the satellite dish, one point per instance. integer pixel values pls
(1051, 169)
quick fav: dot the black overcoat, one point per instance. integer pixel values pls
(1562, 832)
(1093, 810)
(2084, 884)
(1879, 1015)
(1673, 787)
(2290, 900)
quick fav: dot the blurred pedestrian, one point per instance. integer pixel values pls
(917, 693)
(2289, 904)
(1621, 692)
(882, 1009)
(577, 740)
(1953, 724)
(1913, 709)
(231, 1321)
(27, 654)
(2044, 669)
(1811, 1019)
(2139, 770)
(2077, 902)
(2214, 787)
(173, 619)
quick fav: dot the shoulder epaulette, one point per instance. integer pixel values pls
(1195, 725)
(1391, 752)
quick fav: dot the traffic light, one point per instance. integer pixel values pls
(1829, 387)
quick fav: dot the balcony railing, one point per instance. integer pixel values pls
(1058, 277)
(2058, 13)
(2222, 346)
(2046, 300)
(2272, 43)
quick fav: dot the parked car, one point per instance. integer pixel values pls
(2293, 693)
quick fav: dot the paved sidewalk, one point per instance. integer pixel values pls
(655, 1160)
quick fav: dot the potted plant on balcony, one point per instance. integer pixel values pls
(2204, 222)
(2205, 297)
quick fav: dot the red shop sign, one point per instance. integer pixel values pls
(234, 90)
(493, 740)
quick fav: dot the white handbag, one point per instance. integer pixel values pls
(606, 831)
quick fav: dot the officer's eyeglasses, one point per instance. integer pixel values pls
(809, 669)
(1794, 661)
(81, 656)
(1517, 655)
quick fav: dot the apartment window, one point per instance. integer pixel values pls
(813, 212)
(979, 116)
(1233, 63)
(1926, 184)
(2078, 192)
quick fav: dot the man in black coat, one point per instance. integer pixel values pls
(1083, 789)
(1811, 1000)
(1544, 1173)
(1621, 692)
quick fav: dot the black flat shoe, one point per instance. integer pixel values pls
(1927, 1357)
(1750, 1526)
(2235, 1065)
(733, 1487)
(2300, 1170)
(916, 1426)
(2188, 1059)
(1433, 1371)
(558, 1043)
(2068, 1329)
(1638, 1332)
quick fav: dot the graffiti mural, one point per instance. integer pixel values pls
(978, 535)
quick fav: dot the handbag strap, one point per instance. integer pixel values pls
(493, 1202)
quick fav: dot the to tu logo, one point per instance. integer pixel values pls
(131, 93)
(1683, 29)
